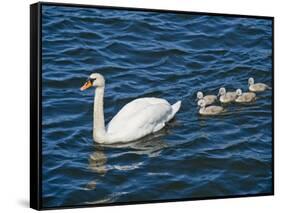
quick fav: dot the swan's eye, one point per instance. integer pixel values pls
(91, 79)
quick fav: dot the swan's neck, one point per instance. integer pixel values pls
(202, 109)
(99, 133)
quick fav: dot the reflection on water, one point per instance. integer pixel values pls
(97, 162)
(151, 145)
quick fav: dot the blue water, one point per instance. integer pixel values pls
(150, 54)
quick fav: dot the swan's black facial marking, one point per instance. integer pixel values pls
(91, 80)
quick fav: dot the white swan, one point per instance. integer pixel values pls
(135, 120)
(257, 87)
(226, 97)
(209, 99)
(244, 97)
(210, 110)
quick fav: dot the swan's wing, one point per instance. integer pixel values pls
(259, 87)
(231, 96)
(150, 117)
(209, 99)
(134, 107)
(214, 109)
(247, 97)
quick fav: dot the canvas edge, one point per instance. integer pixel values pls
(152, 10)
(35, 107)
(272, 104)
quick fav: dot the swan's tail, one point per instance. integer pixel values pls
(268, 87)
(175, 109)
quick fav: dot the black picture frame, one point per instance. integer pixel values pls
(36, 103)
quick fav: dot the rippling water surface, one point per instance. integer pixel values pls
(165, 55)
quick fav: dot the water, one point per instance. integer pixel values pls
(149, 54)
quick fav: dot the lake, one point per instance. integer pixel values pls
(152, 54)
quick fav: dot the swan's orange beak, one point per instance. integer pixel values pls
(86, 85)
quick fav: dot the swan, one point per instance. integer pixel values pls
(257, 87)
(135, 120)
(226, 97)
(245, 97)
(209, 99)
(210, 110)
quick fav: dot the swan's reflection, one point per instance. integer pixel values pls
(97, 162)
(151, 146)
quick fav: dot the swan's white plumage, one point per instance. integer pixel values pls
(139, 118)
(135, 120)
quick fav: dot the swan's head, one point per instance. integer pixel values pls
(222, 91)
(201, 103)
(94, 80)
(199, 95)
(251, 81)
(238, 92)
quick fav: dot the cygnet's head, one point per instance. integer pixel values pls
(201, 103)
(222, 91)
(238, 92)
(200, 95)
(94, 80)
(251, 81)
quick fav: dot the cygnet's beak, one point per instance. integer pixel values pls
(87, 85)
